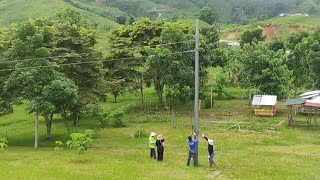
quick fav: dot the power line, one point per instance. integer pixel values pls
(90, 62)
(62, 56)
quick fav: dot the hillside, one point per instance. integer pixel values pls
(107, 14)
(18, 10)
(277, 26)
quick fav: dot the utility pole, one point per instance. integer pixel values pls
(196, 85)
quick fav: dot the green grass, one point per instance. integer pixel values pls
(309, 22)
(259, 150)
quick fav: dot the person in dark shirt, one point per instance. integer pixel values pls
(193, 153)
(210, 150)
(160, 146)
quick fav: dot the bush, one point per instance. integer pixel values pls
(59, 146)
(140, 133)
(80, 142)
(207, 103)
(116, 116)
(3, 144)
(5, 107)
(95, 111)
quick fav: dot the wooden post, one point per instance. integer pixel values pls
(290, 116)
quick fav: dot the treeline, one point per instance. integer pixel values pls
(51, 65)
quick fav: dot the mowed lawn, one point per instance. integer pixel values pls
(256, 149)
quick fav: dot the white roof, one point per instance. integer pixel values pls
(310, 94)
(264, 100)
(314, 100)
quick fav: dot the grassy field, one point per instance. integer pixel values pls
(259, 149)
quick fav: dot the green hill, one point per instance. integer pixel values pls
(18, 10)
(106, 14)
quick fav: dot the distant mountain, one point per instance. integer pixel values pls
(229, 11)
(106, 14)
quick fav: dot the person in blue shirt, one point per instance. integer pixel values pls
(193, 153)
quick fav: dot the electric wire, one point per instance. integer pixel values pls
(101, 60)
(68, 55)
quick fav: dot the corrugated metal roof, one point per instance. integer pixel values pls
(297, 101)
(311, 104)
(310, 94)
(264, 100)
(256, 100)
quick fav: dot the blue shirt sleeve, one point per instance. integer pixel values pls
(196, 140)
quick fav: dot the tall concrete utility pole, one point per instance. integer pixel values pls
(196, 85)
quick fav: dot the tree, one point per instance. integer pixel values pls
(250, 35)
(62, 95)
(31, 39)
(277, 44)
(5, 43)
(35, 78)
(129, 42)
(311, 56)
(211, 53)
(295, 39)
(208, 15)
(265, 69)
(28, 84)
(173, 94)
(72, 17)
(296, 58)
(122, 19)
(74, 45)
(164, 67)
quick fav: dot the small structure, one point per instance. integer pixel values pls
(265, 105)
(309, 103)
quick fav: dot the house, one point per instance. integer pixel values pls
(308, 103)
(312, 98)
(265, 105)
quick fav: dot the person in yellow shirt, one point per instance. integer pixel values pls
(152, 145)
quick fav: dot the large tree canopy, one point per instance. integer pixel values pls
(265, 69)
(250, 35)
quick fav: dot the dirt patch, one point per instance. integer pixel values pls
(294, 29)
(232, 35)
(271, 31)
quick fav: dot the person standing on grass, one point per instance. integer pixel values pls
(210, 151)
(160, 146)
(152, 144)
(193, 149)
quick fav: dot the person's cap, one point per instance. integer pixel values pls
(210, 141)
(152, 134)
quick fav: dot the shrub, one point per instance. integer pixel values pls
(3, 144)
(59, 146)
(116, 116)
(207, 103)
(80, 142)
(95, 111)
(140, 133)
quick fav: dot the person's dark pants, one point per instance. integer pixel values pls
(193, 154)
(153, 153)
(210, 157)
(160, 154)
